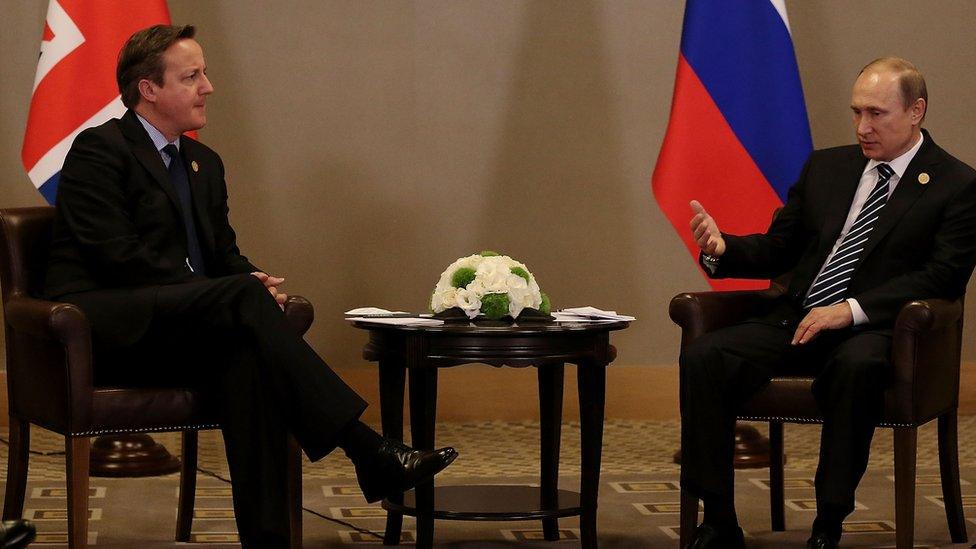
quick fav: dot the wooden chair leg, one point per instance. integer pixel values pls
(688, 519)
(906, 440)
(188, 486)
(13, 503)
(77, 451)
(777, 515)
(295, 492)
(949, 468)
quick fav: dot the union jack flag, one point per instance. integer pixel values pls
(75, 87)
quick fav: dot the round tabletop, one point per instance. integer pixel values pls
(498, 327)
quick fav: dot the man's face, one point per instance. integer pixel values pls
(181, 102)
(885, 128)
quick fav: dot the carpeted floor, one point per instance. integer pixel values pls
(638, 492)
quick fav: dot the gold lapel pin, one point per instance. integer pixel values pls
(923, 178)
(196, 168)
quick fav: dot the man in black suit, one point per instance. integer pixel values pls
(142, 244)
(866, 229)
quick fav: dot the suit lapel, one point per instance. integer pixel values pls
(909, 190)
(145, 151)
(198, 184)
(841, 200)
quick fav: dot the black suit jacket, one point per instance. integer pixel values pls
(923, 246)
(118, 230)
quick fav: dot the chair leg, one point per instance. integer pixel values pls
(188, 486)
(77, 451)
(295, 492)
(906, 439)
(777, 515)
(949, 467)
(13, 503)
(688, 518)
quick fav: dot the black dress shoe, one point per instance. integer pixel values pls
(396, 468)
(820, 540)
(15, 534)
(707, 537)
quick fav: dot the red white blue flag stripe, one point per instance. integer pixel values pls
(74, 87)
(738, 134)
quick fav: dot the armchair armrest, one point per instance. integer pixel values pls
(47, 319)
(703, 312)
(300, 313)
(925, 355)
(49, 358)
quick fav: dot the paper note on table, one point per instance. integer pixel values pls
(372, 311)
(397, 321)
(589, 314)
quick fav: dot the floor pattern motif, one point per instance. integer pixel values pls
(638, 493)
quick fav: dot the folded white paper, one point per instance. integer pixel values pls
(369, 311)
(397, 321)
(578, 314)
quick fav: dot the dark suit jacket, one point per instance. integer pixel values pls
(118, 230)
(923, 246)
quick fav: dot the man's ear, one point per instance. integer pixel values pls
(147, 89)
(918, 110)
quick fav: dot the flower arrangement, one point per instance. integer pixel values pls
(488, 283)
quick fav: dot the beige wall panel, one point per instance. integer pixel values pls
(368, 144)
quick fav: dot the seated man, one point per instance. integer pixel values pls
(142, 244)
(866, 229)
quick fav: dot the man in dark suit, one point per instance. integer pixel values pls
(142, 244)
(866, 229)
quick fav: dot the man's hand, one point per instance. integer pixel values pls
(706, 232)
(272, 283)
(834, 317)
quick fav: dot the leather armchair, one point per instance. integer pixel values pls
(50, 384)
(924, 386)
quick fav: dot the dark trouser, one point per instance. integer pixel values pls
(722, 369)
(228, 336)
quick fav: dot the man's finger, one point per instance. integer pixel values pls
(697, 207)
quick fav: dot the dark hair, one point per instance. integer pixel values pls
(910, 80)
(142, 57)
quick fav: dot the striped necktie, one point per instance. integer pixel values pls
(831, 284)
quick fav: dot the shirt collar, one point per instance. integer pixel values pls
(158, 139)
(900, 164)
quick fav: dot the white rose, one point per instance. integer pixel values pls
(469, 301)
(444, 299)
(492, 274)
(515, 282)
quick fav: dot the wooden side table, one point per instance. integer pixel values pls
(422, 350)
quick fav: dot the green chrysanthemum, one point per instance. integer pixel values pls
(546, 307)
(462, 277)
(495, 306)
(488, 253)
(522, 273)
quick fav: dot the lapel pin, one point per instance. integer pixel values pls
(196, 168)
(923, 178)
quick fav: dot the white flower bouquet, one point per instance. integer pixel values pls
(490, 284)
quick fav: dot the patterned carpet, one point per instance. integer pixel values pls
(638, 493)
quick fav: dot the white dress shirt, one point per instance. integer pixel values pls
(869, 179)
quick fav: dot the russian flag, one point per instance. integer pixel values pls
(738, 134)
(74, 87)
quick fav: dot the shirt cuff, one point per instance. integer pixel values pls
(857, 312)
